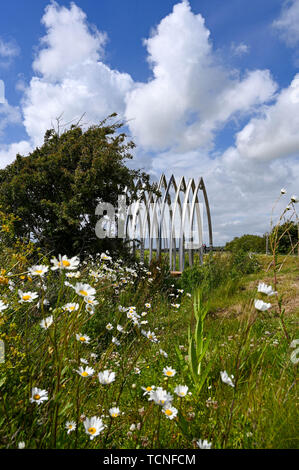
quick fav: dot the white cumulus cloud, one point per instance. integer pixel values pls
(288, 23)
(191, 95)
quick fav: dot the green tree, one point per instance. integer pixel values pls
(55, 190)
(287, 234)
(247, 243)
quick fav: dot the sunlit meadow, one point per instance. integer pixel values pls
(103, 355)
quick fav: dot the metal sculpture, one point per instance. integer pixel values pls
(173, 217)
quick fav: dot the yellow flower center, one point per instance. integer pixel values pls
(114, 415)
(36, 396)
(66, 263)
(82, 338)
(39, 271)
(70, 426)
(83, 292)
(148, 389)
(169, 373)
(162, 401)
(84, 373)
(92, 430)
(72, 307)
(26, 297)
(168, 412)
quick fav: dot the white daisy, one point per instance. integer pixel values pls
(262, 287)
(70, 426)
(169, 372)
(27, 296)
(106, 377)
(160, 396)
(87, 372)
(85, 290)
(262, 306)
(226, 378)
(204, 444)
(63, 262)
(70, 307)
(114, 412)
(83, 338)
(45, 323)
(93, 426)
(169, 411)
(3, 306)
(181, 390)
(38, 270)
(38, 395)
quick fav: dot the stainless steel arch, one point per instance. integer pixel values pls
(182, 206)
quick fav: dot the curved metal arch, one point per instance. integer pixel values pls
(152, 223)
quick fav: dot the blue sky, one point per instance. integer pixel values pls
(207, 87)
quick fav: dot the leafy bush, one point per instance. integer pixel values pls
(247, 243)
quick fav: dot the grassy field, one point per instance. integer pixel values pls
(138, 324)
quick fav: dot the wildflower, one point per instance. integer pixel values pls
(91, 300)
(85, 290)
(47, 322)
(65, 263)
(93, 426)
(83, 338)
(176, 305)
(38, 395)
(115, 341)
(169, 411)
(163, 353)
(84, 361)
(262, 287)
(89, 309)
(181, 390)
(109, 326)
(150, 335)
(70, 307)
(105, 257)
(70, 426)
(148, 305)
(87, 372)
(160, 396)
(114, 412)
(76, 274)
(226, 378)
(294, 199)
(204, 444)
(21, 445)
(38, 270)
(120, 328)
(27, 296)
(262, 306)
(148, 389)
(2, 306)
(106, 377)
(169, 372)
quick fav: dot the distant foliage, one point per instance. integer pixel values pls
(287, 234)
(219, 269)
(252, 243)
